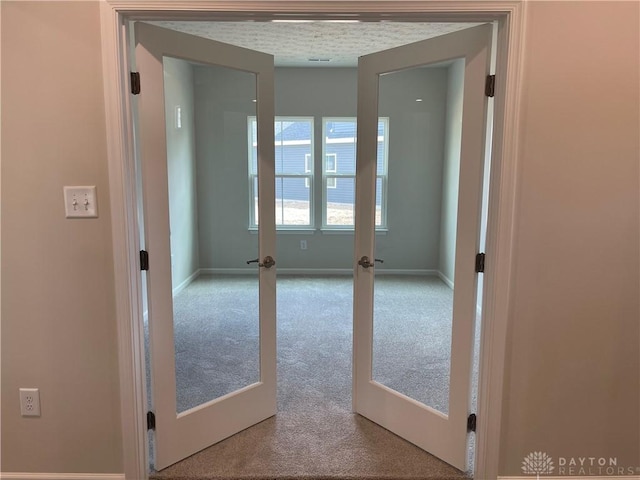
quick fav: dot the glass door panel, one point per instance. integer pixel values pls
(413, 313)
(215, 317)
(412, 337)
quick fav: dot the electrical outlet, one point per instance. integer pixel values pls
(303, 244)
(29, 402)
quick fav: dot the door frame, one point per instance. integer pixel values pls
(509, 15)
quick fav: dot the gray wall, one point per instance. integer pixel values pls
(181, 169)
(415, 165)
(223, 100)
(451, 170)
(416, 153)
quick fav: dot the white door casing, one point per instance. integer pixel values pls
(510, 18)
(180, 435)
(445, 436)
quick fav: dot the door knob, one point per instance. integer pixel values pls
(267, 262)
(364, 262)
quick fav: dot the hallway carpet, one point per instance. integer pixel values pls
(314, 435)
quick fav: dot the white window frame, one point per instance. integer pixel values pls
(332, 175)
(331, 181)
(307, 175)
(308, 167)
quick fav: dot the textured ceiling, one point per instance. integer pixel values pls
(294, 44)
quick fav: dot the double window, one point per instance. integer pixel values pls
(295, 151)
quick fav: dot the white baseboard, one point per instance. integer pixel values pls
(445, 279)
(573, 477)
(229, 271)
(393, 271)
(61, 476)
(186, 282)
(315, 271)
(280, 271)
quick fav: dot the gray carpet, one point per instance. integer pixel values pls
(314, 435)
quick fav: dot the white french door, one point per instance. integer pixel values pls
(226, 401)
(433, 415)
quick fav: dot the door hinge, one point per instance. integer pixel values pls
(144, 260)
(471, 422)
(480, 263)
(490, 86)
(135, 83)
(151, 421)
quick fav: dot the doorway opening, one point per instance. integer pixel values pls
(393, 293)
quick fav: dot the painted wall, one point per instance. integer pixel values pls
(416, 146)
(574, 365)
(573, 379)
(58, 306)
(451, 170)
(223, 100)
(416, 153)
(181, 168)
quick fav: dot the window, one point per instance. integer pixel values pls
(294, 171)
(339, 178)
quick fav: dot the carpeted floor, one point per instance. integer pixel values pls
(314, 435)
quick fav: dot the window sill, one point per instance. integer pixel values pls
(312, 231)
(288, 231)
(350, 231)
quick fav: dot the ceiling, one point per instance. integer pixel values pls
(315, 43)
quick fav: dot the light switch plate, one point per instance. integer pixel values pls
(80, 202)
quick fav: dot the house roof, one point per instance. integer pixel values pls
(289, 130)
(292, 131)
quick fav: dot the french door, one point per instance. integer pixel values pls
(432, 344)
(239, 329)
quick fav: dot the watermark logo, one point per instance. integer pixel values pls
(540, 463)
(537, 463)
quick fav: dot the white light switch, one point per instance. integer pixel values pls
(80, 202)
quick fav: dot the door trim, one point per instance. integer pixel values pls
(510, 17)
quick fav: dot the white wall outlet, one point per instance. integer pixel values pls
(29, 402)
(303, 244)
(80, 202)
